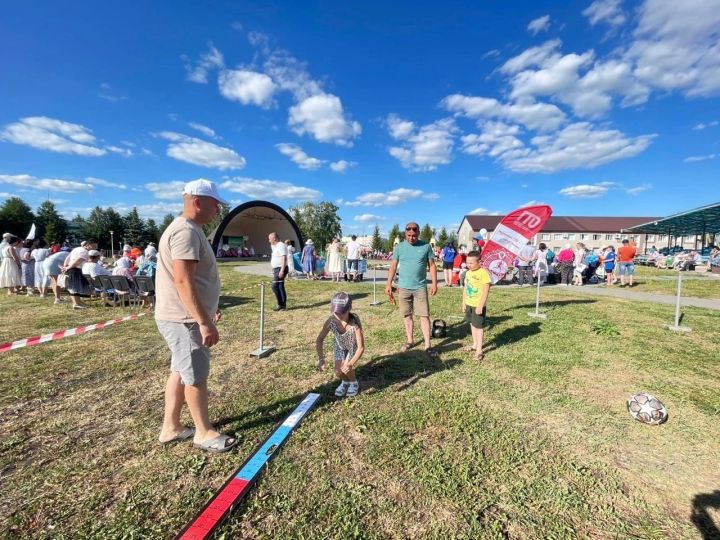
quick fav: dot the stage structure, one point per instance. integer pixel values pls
(248, 226)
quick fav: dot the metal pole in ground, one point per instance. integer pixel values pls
(676, 327)
(375, 300)
(537, 314)
(262, 351)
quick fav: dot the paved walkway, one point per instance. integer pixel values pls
(263, 269)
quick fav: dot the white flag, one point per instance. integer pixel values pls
(31, 234)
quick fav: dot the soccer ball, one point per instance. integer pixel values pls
(647, 409)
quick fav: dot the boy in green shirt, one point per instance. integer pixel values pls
(474, 300)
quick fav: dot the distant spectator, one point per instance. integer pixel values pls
(150, 250)
(27, 266)
(579, 264)
(308, 258)
(525, 264)
(78, 287)
(291, 255)
(541, 263)
(626, 261)
(10, 275)
(608, 261)
(565, 260)
(93, 267)
(51, 266)
(447, 254)
(39, 254)
(353, 257)
(4, 243)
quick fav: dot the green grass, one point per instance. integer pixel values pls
(698, 284)
(533, 443)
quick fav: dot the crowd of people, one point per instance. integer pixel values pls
(29, 267)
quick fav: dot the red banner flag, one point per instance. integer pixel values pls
(509, 237)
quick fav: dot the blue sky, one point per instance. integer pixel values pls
(396, 111)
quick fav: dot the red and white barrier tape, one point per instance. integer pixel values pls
(36, 340)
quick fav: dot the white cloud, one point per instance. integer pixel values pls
(638, 189)
(496, 139)
(203, 153)
(342, 165)
(701, 126)
(104, 183)
(584, 191)
(578, 145)
(676, 46)
(156, 211)
(608, 11)
(368, 217)
(45, 184)
(125, 152)
(51, 134)
(247, 87)
(539, 25)
(270, 189)
(399, 129)
(534, 56)
(531, 203)
(208, 132)
(322, 116)
(694, 159)
(533, 115)
(108, 94)
(389, 198)
(300, 158)
(289, 73)
(423, 148)
(484, 212)
(210, 60)
(166, 190)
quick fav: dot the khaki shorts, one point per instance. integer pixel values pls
(414, 301)
(190, 358)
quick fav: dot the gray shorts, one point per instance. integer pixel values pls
(190, 358)
(414, 301)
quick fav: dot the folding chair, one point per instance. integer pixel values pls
(124, 290)
(90, 281)
(108, 288)
(146, 287)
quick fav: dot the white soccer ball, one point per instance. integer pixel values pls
(647, 409)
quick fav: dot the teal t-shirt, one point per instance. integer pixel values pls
(413, 262)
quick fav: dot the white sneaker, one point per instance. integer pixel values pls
(59, 301)
(341, 390)
(353, 389)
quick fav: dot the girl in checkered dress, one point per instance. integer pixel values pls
(348, 343)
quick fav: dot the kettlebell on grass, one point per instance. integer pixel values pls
(439, 329)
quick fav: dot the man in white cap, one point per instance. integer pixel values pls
(187, 294)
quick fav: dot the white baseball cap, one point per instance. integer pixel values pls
(203, 188)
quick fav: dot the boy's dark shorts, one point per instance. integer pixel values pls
(477, 321)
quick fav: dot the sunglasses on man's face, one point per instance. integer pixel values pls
(411, 229)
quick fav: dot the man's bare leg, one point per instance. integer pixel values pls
(196, 396)
(408, 329)
(425, 326)
(174, 399)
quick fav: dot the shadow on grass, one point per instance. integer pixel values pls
(354, 296)
(513, 335)
(554, 303)
(700, 516)
(232, 301)
(401, 369)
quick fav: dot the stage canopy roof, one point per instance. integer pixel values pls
(253, 221)
(698, 221)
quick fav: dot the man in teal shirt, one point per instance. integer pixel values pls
(414, 257)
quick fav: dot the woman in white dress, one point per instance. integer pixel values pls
(335, 260)
(39, 254)
(10, 275)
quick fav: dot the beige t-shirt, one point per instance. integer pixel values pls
(185, 240)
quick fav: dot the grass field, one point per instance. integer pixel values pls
(533, 443)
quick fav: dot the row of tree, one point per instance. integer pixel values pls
(17, 218)
(319, 221)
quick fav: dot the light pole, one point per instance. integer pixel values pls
(112, 243)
